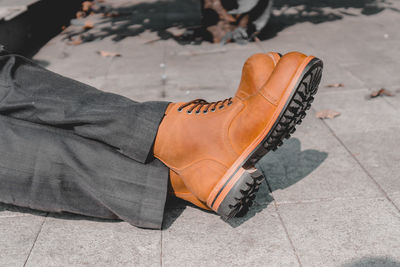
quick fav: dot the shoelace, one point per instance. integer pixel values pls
(200, 103)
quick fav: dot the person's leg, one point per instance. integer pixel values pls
(31, 93)
(55, 170)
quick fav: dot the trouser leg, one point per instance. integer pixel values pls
(55, 170)
(31, 93)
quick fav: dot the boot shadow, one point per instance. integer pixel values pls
(281, 169)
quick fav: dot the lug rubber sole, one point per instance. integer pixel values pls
(293, 113)
(237, 193)
(240, 198)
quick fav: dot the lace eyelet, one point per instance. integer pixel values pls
(221, 107)
(230, 103)
(213, 110)
(205, 111)
(179, 110)
(189, 112)
(197, 112)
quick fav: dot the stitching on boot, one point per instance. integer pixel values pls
(269, 98)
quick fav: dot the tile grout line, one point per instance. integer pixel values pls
(283, 223)
(287, 234)
(164, 77)
(362, 166)
(161, 249)
(316, 200)
(390, 104)
(107, 73)
(163, 95)
(36, 238)
(18, 216)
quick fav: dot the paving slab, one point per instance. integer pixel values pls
(70, 240)
(383, 76)
(80, 61)
(198, 238)
(14, 211)
(333, 233)
(377, 152)
(220, 68)
(394, 101)
(335, 74)
(290, 40)
(181, 74)
(359, 114)
(395, 197)
(139, 87)
(313, 165)
(18, 235)
(369, 129)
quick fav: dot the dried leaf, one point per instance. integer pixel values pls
(380, 92)
(87, 5)
(80, 14)
(88, 25)
(111, 14)
(335, 85)
(75, 41)
(327, 114)
(108, 54)
(152, 41)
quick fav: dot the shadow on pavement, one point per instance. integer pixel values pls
(290, 12)
(159, 16)
(132, 20)
(282, 168)
(373, 262)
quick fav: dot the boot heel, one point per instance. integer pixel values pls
(241, 195)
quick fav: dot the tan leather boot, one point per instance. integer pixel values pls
(255, 73)
(212, 147)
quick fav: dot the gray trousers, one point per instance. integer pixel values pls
(68, 147)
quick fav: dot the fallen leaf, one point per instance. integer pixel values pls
(381, 92)
(152, 41)
(112, 14)
(88, 25)
(75, 41)
(108, 54)
(80, 14)
(327, 114)
(335, 85)
(86, 5)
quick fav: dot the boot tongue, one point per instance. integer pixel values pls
(255, 74)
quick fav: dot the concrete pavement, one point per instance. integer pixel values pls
(332, 196)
